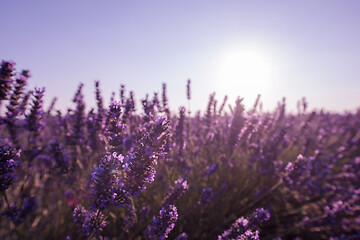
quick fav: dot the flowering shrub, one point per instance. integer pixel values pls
(121, 172)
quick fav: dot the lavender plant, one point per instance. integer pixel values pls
(105, 173)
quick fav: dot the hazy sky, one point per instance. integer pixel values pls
(300, 48)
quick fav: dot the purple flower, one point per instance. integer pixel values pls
(206, 197)
(99, 99)
(114, 129)
(210, 169)
(88, 221)
(237, 122)
(243, 227)
(7, 166)
(122, 94)
(163, 224)
(78, 118)
(179, 134)
(139, 165)
(188, 90)
(18, 214)
(145, 210)
(223, 104)
(107, 183)
(129, 219)
(297, 172)
(61, 158)
(33, 120)
(175, 192)
(165, 107)
(7, 69)
(258, 217)
(182, 236)
(13, 108)
(249, 235)
(18, 90)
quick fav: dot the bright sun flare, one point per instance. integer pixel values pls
(244, 73)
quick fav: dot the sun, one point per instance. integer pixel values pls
(244, 72)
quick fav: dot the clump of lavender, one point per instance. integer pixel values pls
(175, 192)
(148, 106)
(188, 89)
(18, 90)
(13, 108)
(140, 164)
(182, 236)
(33, 120)
(18, 214)
(78, 118)
(129, 108)
(122, 94)
(107, 183)
(7, 166)
(163, 224)
(188, 94)
(114, 129)
(52, 105)
(209, 113)
(206, 197)
(60, 157)
(297, 173)
(88, 222)
(7, 69)
(256, 103)
(93, 139)
(258, 217)
(156, 101)
(179, 133)
(100, 106)
(99, 99)
(24, 103)
(210, 169)
(223, 104)
(165, 100)
(236, 123)
(129, 219)
(243, 227)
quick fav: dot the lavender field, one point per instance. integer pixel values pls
(136, 170)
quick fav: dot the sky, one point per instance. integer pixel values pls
(290, 49)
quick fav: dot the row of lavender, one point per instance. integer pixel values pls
(111, 173)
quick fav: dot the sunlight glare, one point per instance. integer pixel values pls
(244, 72)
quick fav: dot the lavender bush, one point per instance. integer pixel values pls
(119, 172)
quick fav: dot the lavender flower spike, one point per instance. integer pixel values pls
(176, 191)
(243, 227)
(33, 120)
(162, 224)
(7, 167)
(88, 221)
(182, 236)
(140, 164)
(6, 72)
(107, 188)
